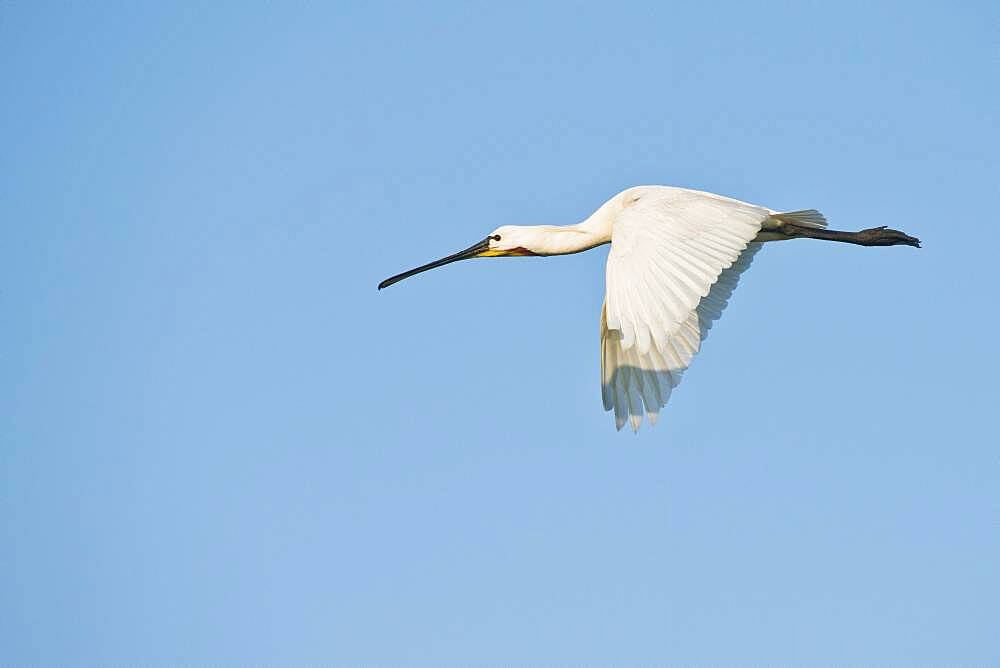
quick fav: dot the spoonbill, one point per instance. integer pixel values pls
(676, 257)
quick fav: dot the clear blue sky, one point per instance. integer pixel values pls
(219, 443)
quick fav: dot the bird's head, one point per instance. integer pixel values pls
(506, 241)
(513, 241)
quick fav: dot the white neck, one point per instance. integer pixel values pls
(566, 239)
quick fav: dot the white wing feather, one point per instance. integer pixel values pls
(631, 381)
(668, 247)
(676, 256)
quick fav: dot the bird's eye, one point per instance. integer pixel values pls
(495, 237)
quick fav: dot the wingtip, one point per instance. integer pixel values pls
(636, 422)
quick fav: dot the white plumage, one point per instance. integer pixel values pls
(631, 379)
(676, 257)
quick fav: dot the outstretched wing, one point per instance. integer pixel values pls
(667, 250)
(672, 266)
(630, 380)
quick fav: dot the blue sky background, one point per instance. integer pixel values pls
(219, 443)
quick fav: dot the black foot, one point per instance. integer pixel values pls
(883, 236)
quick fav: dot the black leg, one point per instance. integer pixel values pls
(876, 236)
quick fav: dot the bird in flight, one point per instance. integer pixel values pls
(676, 257)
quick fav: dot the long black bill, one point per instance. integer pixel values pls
(470, 252)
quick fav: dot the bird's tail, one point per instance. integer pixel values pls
(806, 218)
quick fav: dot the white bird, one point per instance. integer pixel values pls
(676, 257)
